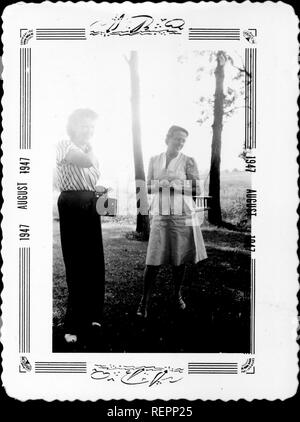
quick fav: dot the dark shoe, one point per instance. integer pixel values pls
(180, 303)
(142, 310)
(94, 337)
(95, 330)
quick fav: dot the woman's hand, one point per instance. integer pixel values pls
(164, 183)
(101, 189)
(87, 147)
(177, 185)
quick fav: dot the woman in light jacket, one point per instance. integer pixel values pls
(175, 236)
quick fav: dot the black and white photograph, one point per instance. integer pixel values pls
(165, 264)
(150, 202)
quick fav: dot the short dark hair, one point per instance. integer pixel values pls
(174, 129)
(77, 115)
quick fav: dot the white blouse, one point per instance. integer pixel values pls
(182, 170)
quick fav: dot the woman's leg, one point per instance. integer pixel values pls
(91, 271)
(178, 276)
(150, 274)
(67, 211)
(96, 272)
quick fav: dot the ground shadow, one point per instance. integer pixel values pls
(217, 293)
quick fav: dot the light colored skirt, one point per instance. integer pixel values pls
(175, 240)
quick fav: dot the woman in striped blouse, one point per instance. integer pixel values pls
(80, 225)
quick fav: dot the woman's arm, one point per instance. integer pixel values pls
(151, 187)
(81, 159)
(192, 174)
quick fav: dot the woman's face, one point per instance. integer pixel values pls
(176, 141)
(84, 130)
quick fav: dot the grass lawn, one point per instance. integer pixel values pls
(217, 293)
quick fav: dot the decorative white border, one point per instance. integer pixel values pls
(240, 364)
(194, 34)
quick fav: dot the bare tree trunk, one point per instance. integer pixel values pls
(214, 213)
(142, 222)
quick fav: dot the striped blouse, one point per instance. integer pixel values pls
(71, 176)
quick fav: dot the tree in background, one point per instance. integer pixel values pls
(214, 211)
(142, 222)
(218, 107)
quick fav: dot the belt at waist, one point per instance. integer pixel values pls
(82, 192)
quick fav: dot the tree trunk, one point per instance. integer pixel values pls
(142, 222)
(214, 212)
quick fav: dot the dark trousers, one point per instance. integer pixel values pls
(82, 248)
